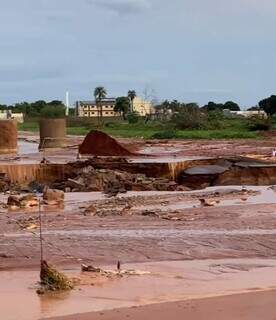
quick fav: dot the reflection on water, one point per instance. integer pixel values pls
(25, 147)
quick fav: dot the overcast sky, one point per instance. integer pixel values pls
(191, 50)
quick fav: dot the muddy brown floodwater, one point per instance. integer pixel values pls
(166, 282)
(214, 242)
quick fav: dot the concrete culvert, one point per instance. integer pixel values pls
(52, 133)
(8, 136)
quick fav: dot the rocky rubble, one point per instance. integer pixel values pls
(28, 201)
(113, 182)
(53, 197)
(5, 183)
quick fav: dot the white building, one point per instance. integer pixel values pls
(8, 114)
(245, 114)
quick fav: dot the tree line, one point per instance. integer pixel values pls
(54, 108)
(124, 105)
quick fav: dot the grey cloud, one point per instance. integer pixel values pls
(123, 6)
(19, 73)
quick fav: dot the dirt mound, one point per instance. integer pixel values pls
(97, 143)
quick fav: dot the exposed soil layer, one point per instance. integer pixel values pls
(97, 143)
(229, 172)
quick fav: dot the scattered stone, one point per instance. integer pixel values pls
(27, 201)
(149, 213)
(85, 268)
(53, 196)
(208, 202)
(27, 223)
(35, 186)
(5, 183)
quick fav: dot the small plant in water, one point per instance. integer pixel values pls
(53, 280)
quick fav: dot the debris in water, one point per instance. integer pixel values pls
(85, 268)
(53, 197)
(28, 201)
(53, 280)
(108, 273)
(113, 188)
(208, 203)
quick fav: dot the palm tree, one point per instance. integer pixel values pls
(99, 94)
(131, 95)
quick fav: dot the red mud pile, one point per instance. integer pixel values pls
(97, 143)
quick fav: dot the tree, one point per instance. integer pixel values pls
(122, 106)
(55, 103)
(189, 117)
(268, 105)
(99, 94)
(131, 95)
(255, 108)
(212, 106)
(233, 106)
(163, 108)
(52, 111)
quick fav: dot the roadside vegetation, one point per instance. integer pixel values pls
(212, 127)
(173, 120)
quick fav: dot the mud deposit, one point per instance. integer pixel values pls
(97, 143)
(196, 243)
(146, 227)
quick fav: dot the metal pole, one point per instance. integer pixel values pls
(40, 230)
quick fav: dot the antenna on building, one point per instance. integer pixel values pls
(67, 103)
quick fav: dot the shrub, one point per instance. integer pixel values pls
(110, 125)
(189, 118)
(214, 120)
(50, 111)
(167, 134)
(258, 124)
(133, 117)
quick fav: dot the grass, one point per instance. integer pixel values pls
(232, 129)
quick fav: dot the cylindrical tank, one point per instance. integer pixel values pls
(52, 133)
(8, 136)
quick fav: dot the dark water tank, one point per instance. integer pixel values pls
(8, 136)
(52, 133)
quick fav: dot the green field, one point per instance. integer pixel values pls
(232, 129)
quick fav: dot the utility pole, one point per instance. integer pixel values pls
(40, 230)
(67, 104)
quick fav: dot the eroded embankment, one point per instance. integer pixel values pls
(193, 173)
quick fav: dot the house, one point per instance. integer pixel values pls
(92, 109)
(8, 114)
(245, 114)
(142, 107)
